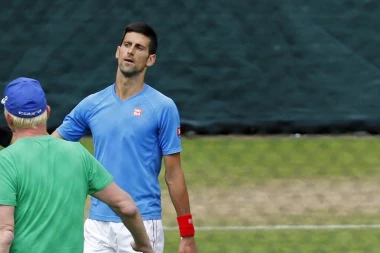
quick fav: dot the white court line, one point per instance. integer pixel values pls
(280, 227)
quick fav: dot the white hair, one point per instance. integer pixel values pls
(28, 122)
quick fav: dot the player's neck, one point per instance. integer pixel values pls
(127, 87)
(20, 133)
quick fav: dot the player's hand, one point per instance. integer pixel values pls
(143, 249)
(187, 245)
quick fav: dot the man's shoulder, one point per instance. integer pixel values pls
(100, 95)
(43, 141)
(72, 144)
(158, 98)
(92, 101)
(5, 154)
(10, 154)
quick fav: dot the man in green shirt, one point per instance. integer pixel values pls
(44, 182)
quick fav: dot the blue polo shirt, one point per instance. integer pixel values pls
(130, 137)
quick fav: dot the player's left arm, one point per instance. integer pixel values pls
(6, 228)
(175, 180)
(170, 143)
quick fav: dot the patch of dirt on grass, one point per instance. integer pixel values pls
(283, 201)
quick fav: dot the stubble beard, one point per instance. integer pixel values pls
(130, 73)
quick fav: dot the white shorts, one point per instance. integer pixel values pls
(108, 237)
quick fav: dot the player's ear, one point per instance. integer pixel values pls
(151, 60)
(8, 119)
(117, 52)
(48, 111)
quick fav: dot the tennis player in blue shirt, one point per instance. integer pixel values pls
(134, 127)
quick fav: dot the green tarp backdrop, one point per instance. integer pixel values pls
(243, 66)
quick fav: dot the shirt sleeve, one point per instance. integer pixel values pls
(8, 183)
(170, 129)
(98, 177)
(75, 124)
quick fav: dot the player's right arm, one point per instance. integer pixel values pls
(75, 124)
(56, 134)
(124, 206)
(6, 228)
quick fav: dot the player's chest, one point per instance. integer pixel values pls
(133, 119)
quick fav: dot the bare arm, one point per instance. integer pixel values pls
(56, 134)
(6, 228)
(175, 180)
(124, 206)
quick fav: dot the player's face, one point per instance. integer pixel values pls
(133, 54)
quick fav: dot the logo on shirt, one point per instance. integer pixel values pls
(137, 112)
(179, 131)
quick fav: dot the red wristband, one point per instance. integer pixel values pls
(186, 226)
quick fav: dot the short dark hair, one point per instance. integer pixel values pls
(145, 29)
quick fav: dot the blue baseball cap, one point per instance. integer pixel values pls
(24, 98)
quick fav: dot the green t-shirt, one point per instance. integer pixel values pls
(47, 180)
